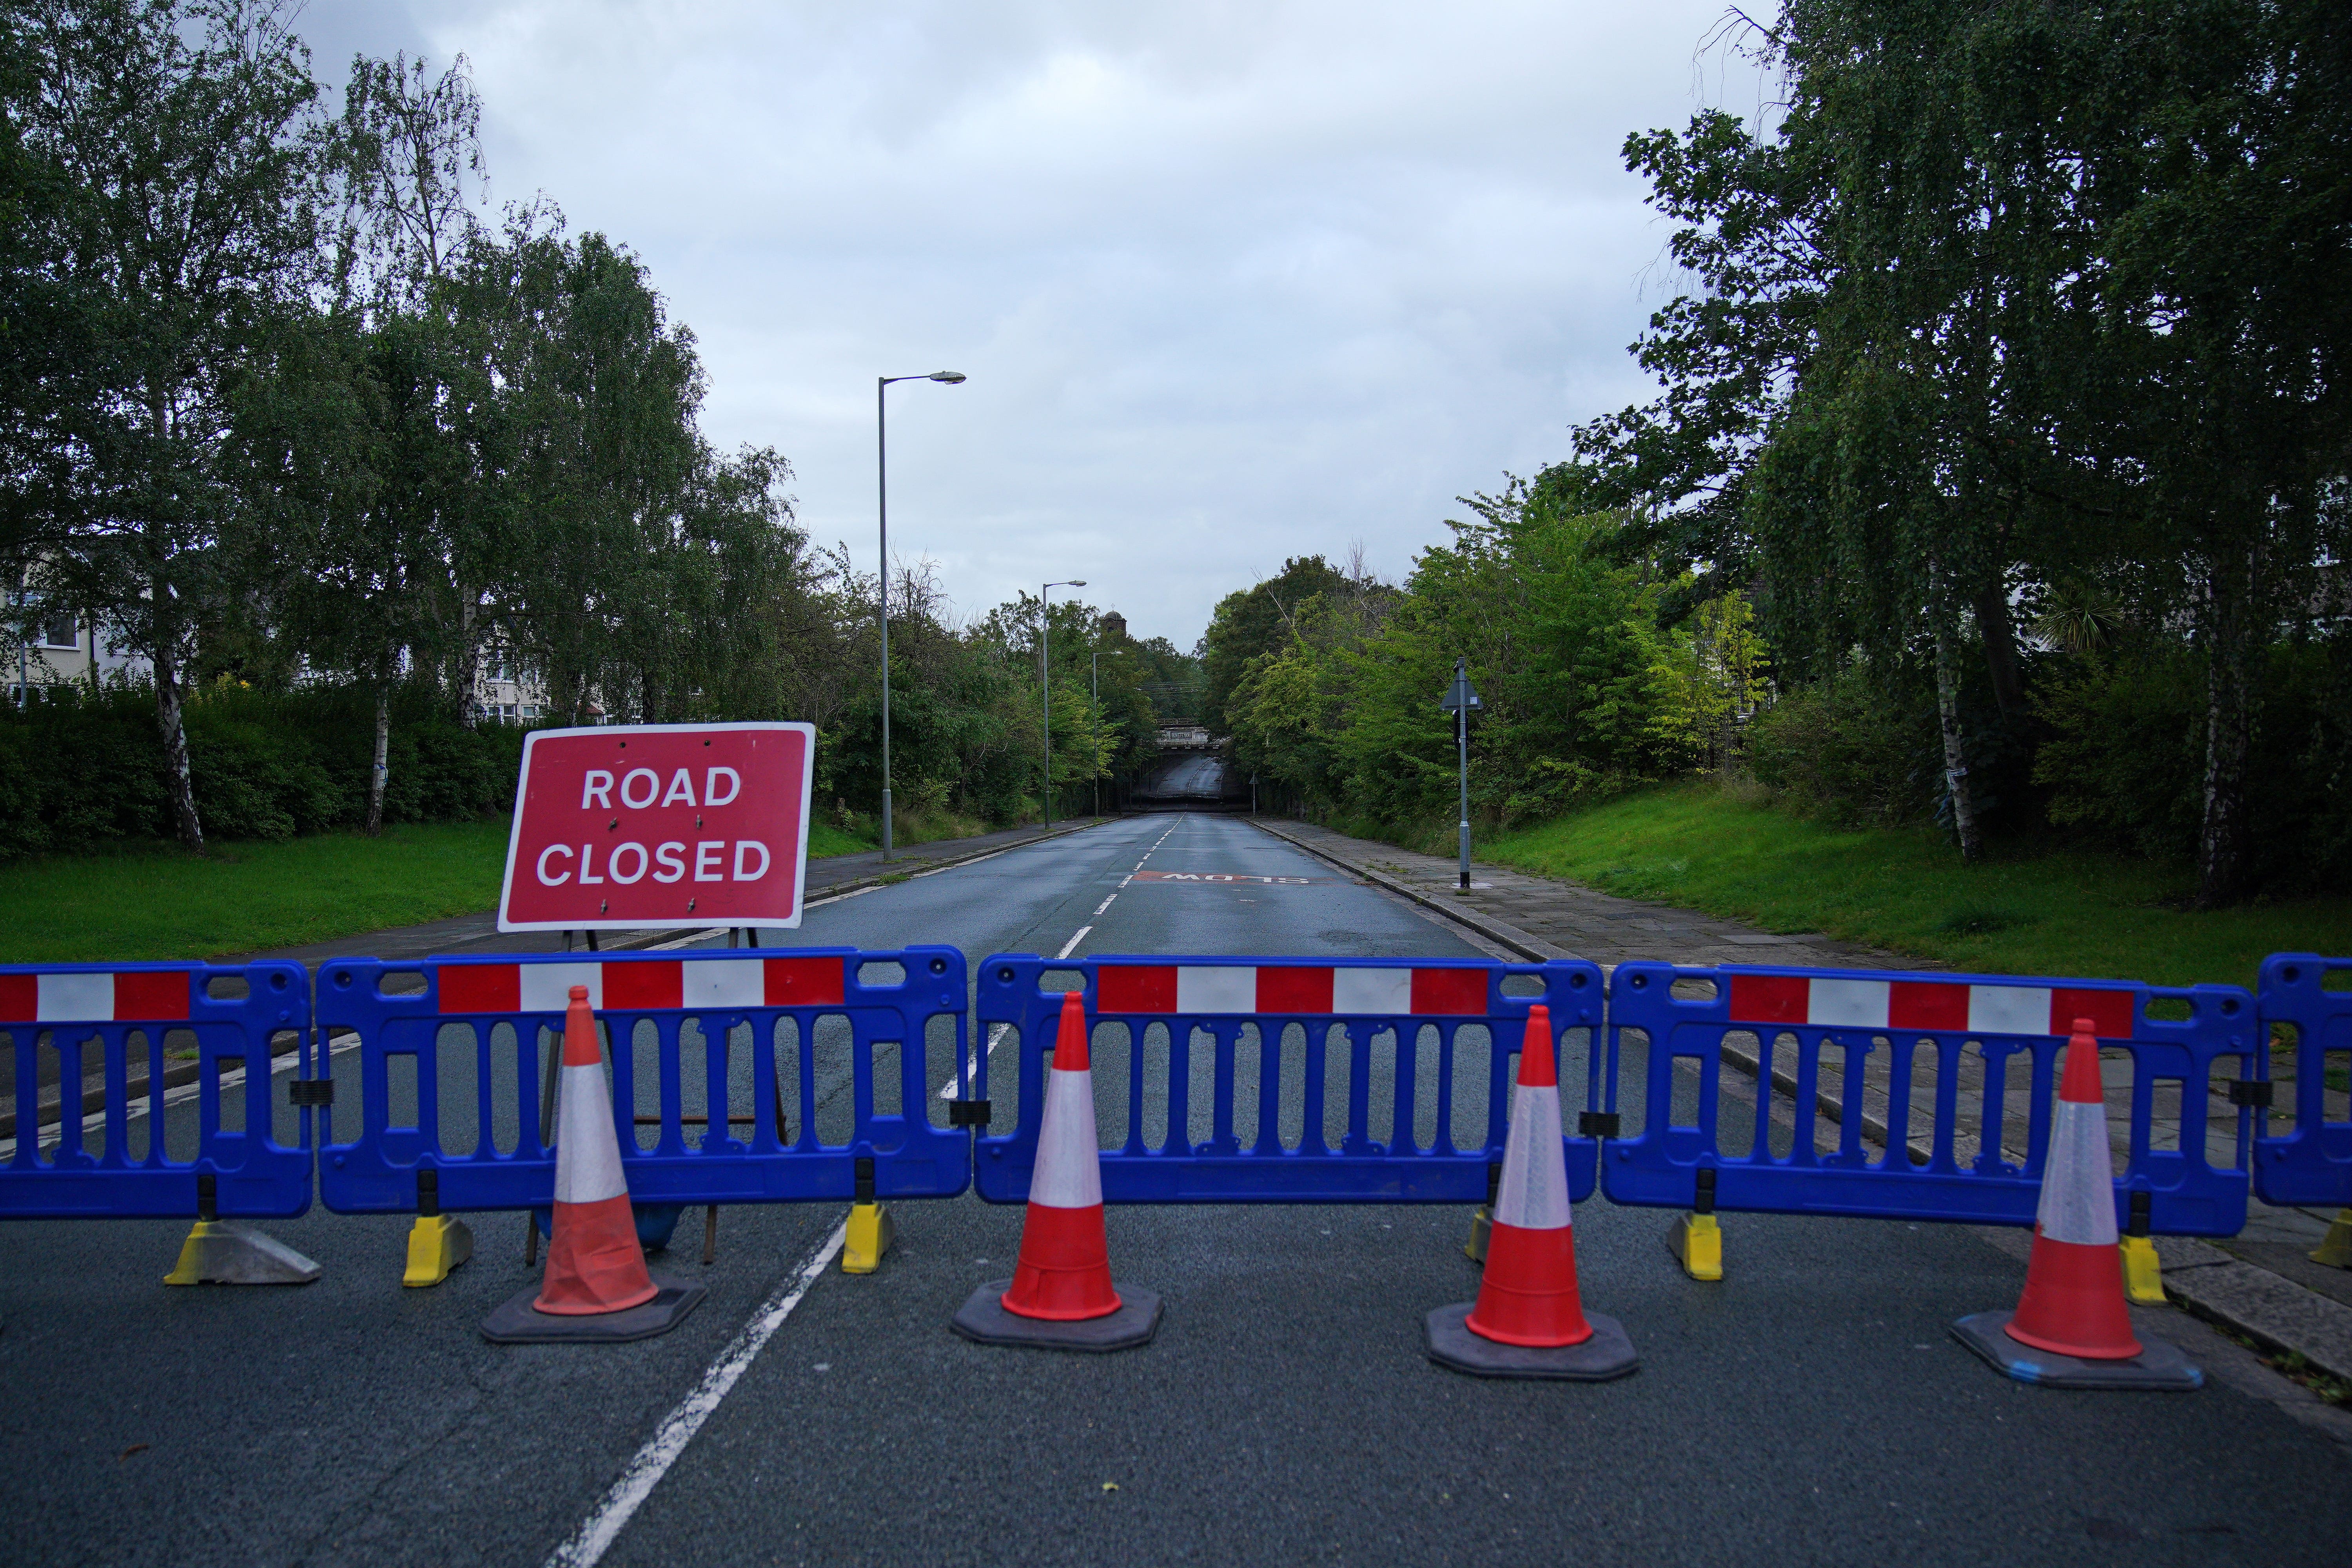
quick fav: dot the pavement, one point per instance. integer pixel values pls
(1810, 1408)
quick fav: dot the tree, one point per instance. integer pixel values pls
(183, 133)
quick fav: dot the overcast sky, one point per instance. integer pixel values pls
(1231, 281)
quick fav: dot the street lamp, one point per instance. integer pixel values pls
(1459, 698)
(882, 509)
(1046, 679)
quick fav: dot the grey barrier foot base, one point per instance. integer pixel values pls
(2158, 1366)
(983, 1321)
(515, 1321)
(223, 1252)
(1607, 1354)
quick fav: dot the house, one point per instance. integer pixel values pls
(67, 648)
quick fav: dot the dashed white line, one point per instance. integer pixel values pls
(602, 1528)
(971, 1068)
(1078, 937)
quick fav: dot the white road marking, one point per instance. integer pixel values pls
(1078, 937)
(602, 1528)
(1105, 903)
(971, 1068)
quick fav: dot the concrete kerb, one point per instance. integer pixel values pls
(2276, 1312)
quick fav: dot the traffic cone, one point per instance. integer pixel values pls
(596, 1287)
(1061, 1295)
(2071, 1328)
(1529, 1320)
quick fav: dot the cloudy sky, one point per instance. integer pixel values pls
(1231, 281)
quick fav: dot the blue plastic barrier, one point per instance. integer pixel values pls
(507, 1011)
(1370, 999)
(1869, 1012)
(238, 1019)
(2313, 1165)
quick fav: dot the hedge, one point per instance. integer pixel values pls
(79, 769)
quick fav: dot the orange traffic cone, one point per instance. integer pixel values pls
(2071, 1328)
(1528, 1320)
(596, 1287)
(1061, 1295)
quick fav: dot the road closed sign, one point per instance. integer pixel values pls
(660, 824)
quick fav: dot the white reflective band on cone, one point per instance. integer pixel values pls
(1068, 1172)
(2078, 1181)
(1534, 1191)
(587, 1156)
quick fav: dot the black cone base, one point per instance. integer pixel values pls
(1607, 1354)
(515, 1321)
(983, 1321)
(2158, 1366)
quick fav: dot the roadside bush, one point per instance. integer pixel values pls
(1851, 749)
(2124, 758)
(78, 769)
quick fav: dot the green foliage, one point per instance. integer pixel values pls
(1585, 693)
(79, 770)
(2017, 307)
(2124, 762)
(1849, 749)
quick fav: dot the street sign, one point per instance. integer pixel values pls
(1461, 695)
(631, 826)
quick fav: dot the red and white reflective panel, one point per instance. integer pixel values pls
(130, 997)
(1928, 1004)
(1292, 989)
(643, 984)
(1067, 1173)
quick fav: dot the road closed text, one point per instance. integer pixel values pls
(660, 824)
(629, 862)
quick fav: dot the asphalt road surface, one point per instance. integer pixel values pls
(1810, 1408)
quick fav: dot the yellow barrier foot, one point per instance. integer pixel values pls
(870, 1233)
(436, 1244)
(1696, 1242)
(1482, 1220)
(2143, 1274)
(223, 1252)
(2335, 1247)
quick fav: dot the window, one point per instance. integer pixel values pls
(60, 631)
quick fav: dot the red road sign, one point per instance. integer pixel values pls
(630, 826)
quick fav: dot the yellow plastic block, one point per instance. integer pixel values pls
(1696, 1242)
(1481, 1222)
(436, 1244)
(224, 1252)
(2143, 1275)
(870, 1233)
(2335, 1247)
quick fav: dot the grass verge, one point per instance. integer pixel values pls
(160, 903)
(2021, 910)
(156, 902)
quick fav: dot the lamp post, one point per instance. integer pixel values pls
(882, 510)
(1046, 679)
(1460, 697)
